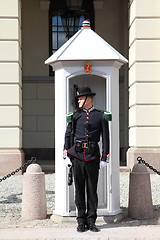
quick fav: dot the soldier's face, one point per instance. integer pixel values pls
(88, 102)
(81, 101)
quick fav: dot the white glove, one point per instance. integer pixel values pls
(67, 162)
(64, 153)
(108, 157)
(102, 164)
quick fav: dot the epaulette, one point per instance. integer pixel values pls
(107, 116)
(69, 116)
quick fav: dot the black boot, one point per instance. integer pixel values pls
(81, 227)
(93, 228)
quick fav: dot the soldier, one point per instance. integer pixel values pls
(89, 123)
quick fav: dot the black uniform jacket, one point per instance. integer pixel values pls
(89, 125)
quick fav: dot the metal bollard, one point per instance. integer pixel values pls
(140, 196)
(34, 205)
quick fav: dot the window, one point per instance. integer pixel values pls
(66, 17)
(61, 33)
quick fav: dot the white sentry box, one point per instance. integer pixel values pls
(68, 63)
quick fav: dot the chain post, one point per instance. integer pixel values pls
(32, 160)
(140, 160)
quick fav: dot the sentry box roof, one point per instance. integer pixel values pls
(85, 45)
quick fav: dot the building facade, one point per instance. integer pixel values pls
(30, 32)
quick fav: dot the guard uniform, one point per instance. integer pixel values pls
(89, 125)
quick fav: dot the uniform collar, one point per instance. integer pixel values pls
(89, 110)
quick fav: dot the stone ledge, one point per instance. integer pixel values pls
(125, 169)
(150, 155)
(10, 160)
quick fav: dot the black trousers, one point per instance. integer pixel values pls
(86, 179)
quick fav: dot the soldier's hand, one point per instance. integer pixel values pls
(102, 164)
(67, 162)
(107, 160)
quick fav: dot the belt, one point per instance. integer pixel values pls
(90, 145)
(84, 145)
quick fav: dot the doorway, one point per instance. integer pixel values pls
(98, 85)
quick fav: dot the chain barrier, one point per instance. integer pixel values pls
(140, 160)
(32, 160)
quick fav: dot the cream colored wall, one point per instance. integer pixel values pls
(10, 75)
(38, 115)
(144, 74)
(111, 23)
(35, 35)
(38, 92)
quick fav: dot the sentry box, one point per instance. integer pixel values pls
(87, 60)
